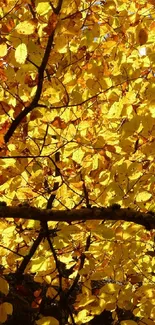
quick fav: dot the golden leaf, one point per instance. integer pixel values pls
(3, 49)
(4, 287)
(21, 53)
(26, 27)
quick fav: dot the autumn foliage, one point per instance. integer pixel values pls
(77, 131)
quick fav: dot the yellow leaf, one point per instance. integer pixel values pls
(143, 196)
(9, 231)
(5, 309)
(3, 314)
(61, 45)
(26, 27)
(4, 287)
(52, 95)
(8, 308)
(153, 313)
(71, 132)
(110, 288)
(104, 232)
(15, 183)
(3, 49)
(83, 316)
(43, 8)
(68, 77)
(21, 53)
(78, 155)
(47, 321)
(40, 265)
(85, 301)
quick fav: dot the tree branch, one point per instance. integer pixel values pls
(111, 213)
(41, 70)
(82, 260)
(28, 257)
(58, 8)
(36, 98)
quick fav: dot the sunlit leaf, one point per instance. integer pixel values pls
(25, 27)
(83, 316)
(77, 134)
(43, 8)
(3, 49)
(143, 196)
(47, 321)
(21, 53)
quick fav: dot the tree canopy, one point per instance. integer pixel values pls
(77, 170)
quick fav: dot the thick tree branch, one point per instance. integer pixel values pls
(111, 213)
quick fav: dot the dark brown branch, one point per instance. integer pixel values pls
(88, 205)
(145, 219)
(7, 13)
(28, 257)
(58, 8)
(57, 263)
(41, 71)
(82, 260)
(44, 224)
(36, 98)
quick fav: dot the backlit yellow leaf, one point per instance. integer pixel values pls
(21, 53)
(143, 196)
(47, 321)
(26, 27)
(83, 316)
(84, 73)
(78, 155)
(43, 8)
(9, 231)
(3, 49)
(40, 264)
